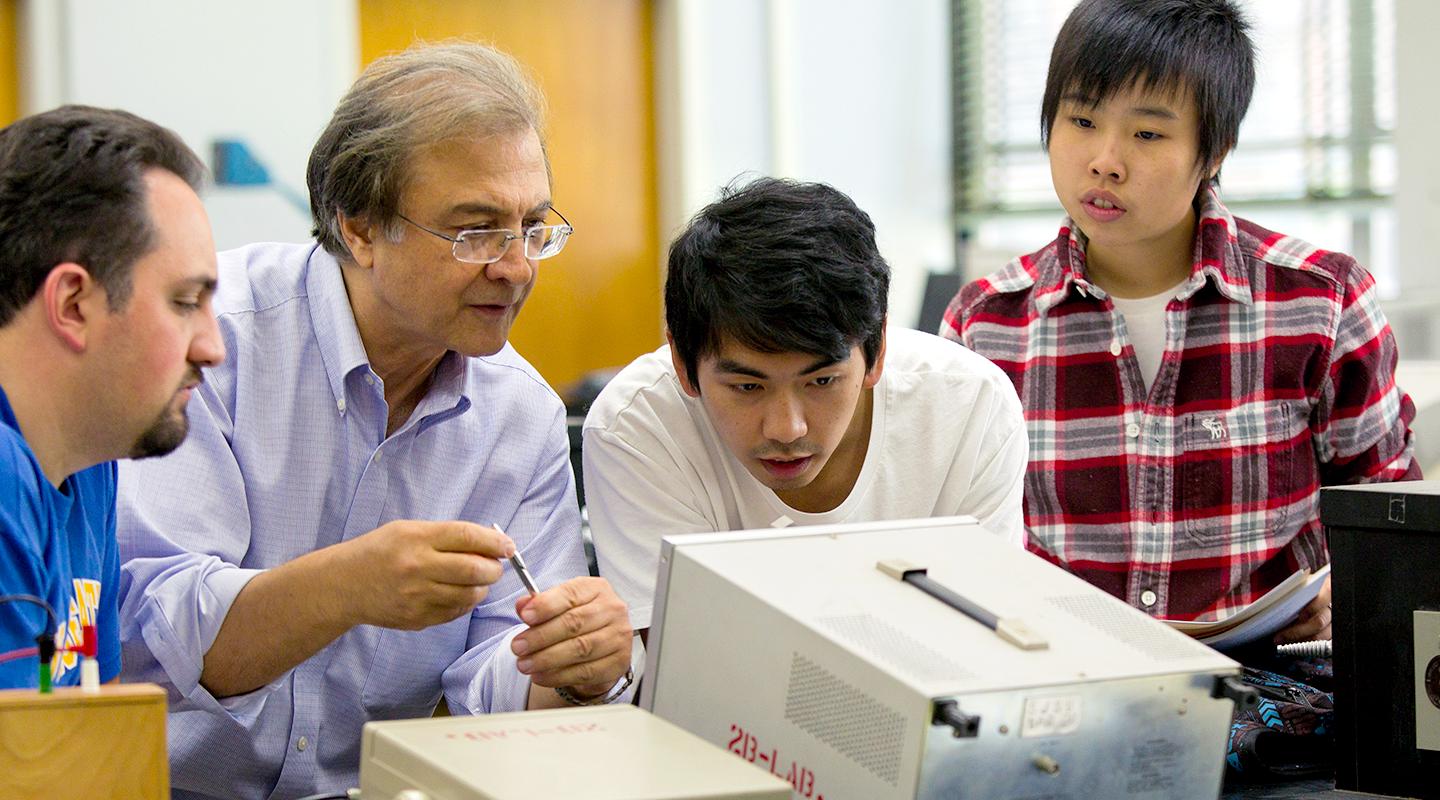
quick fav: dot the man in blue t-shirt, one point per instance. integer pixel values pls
(107, 266)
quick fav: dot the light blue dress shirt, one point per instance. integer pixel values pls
(287, 453)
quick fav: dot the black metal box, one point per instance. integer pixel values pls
(1385, 550)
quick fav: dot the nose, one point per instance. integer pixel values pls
(207, 349)
(1108, 159)
(512, 267)
(784, 419)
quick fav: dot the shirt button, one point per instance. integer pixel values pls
(1132, 430)
(340, 404)
(375, 458)
(1147, 599)
(1115, 347)
(302, 744)
(369, 379)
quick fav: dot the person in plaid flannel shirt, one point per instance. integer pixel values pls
(1190, 380)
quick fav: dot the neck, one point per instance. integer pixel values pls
(1144, 269)
(36, 394)
(404, 364)
(837, 479)
(405, 386)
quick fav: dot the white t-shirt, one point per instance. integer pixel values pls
(1145, 320)
(946, 437)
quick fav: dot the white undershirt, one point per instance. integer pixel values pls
(1145, 317)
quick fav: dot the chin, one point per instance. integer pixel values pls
(163, 436)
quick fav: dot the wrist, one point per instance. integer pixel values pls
(582, 696)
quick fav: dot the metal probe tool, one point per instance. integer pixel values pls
(520, 569)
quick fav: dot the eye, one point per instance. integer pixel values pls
(1082, 122)
(745, 388)
(1148, 136)
(187, 305)
(825, 380)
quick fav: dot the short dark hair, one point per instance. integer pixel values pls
(72, 189)
(1198, 46)
(777, 266)
(405, 101)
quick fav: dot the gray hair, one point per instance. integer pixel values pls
(422, 96)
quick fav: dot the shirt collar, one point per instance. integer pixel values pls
(343, 352)
(1217, 258)
(335, 331)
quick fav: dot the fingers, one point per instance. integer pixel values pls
(467, 537)
(411, 574)
(580, 635)
(1313, 621)
(456, 553)
(434, 605)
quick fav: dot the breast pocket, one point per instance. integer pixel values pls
(1237, 469)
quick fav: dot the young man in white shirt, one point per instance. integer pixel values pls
(781, 399)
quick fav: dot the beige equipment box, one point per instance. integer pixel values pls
(591, 753)
(820, 654)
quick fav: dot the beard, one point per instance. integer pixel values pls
(168, 430)
(163, 436)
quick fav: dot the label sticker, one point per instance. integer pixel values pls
(1051, 716)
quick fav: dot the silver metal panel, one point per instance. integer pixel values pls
(1160, 738)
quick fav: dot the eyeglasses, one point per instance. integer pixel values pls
(486, 245)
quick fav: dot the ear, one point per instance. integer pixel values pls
(1214, 169)
(71, 300)
(872, 375)
(680, 371)
(359, 236)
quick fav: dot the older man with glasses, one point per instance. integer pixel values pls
(331, 546)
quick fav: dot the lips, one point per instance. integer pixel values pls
(1102, 206)
(491, 309)
(788, 468)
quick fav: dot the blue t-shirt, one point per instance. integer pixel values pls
(58, 544)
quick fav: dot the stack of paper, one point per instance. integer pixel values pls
(1261, 618)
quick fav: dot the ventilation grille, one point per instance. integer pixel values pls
(1124, 627)
(857, 726)
(896, 648)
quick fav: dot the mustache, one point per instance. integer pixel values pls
(793, 451)
(193, 377)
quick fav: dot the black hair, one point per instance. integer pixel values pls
(777, 266)
(72, 189)
(1198, 46)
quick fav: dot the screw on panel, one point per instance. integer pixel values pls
(1045, 764)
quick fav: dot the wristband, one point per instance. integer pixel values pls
(573, 699)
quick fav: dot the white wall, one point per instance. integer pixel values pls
(850, 92)
(267, 72)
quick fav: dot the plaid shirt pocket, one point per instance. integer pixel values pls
(1236, 469)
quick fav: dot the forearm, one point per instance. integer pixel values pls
(282, 617)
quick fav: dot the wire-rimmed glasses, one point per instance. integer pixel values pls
(488, 245)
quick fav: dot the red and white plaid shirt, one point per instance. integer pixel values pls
(1278, 377)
